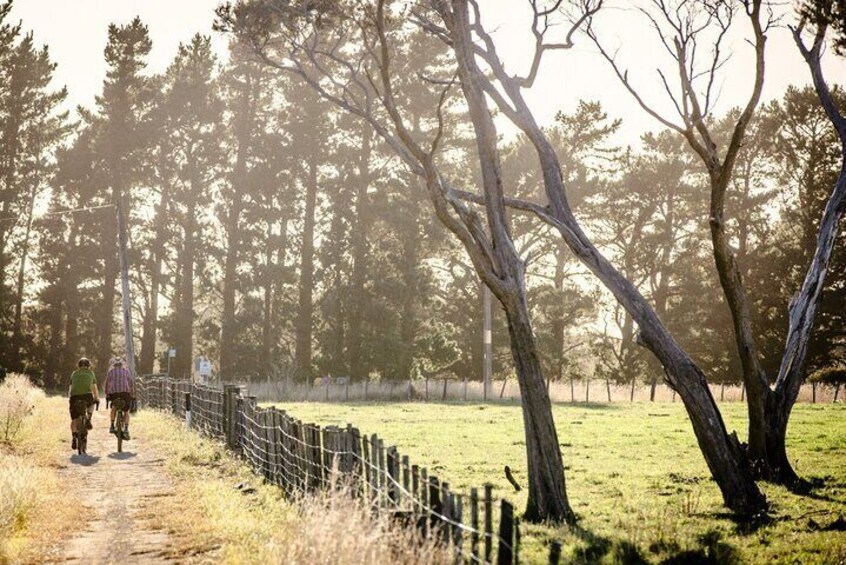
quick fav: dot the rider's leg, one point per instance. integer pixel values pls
(112, 419)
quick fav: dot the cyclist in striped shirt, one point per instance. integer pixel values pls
(119, 384)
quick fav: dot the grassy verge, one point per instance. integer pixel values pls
(213, 518)
(635, 476)
(33, 434)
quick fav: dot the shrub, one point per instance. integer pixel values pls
(17, 401)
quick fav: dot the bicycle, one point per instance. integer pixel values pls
(82, 423)
(120, 407)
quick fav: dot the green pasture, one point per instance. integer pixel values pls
(634, 476)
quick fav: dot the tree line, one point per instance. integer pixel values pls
(303, 209)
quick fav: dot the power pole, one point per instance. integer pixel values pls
(126, 301)
(487, 348)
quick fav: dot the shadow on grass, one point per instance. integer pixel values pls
(809, 488)
(710, 550)
(84, 460)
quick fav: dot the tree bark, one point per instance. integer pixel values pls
(547, 488)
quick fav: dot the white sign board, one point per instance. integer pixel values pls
(204, 367)
(171, 353)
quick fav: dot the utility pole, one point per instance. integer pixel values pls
(126, 300)
(487, 349)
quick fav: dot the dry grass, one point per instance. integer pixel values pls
(17, 402)
(222, 523)
(33, 512)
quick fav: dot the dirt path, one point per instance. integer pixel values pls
(120, 492)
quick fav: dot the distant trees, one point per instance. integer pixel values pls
(33, 124)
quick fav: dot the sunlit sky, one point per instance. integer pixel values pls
(76, 34)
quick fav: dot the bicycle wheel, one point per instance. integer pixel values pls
(119, 429)
(82, 435)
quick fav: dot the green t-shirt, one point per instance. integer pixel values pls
(81, 381)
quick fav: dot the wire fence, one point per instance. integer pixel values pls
(302, 457)
(464, 390)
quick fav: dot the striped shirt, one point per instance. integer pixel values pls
(119, 380)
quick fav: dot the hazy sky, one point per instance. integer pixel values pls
(75, 30)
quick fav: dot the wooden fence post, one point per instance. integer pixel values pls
(505, 552)
(435, 505)
(474, 524)
(392, 477)
(488, 536)
(383, 474)
(457, 504)
(425, 509)
(415, 492)
(406, 481)
(446, 512)
(554, 552)
(188, 410)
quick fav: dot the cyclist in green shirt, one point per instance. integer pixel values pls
(83, 395)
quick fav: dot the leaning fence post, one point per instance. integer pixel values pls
(505, 552)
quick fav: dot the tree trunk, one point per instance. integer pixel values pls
(17, 329)
(408, 316)
(608, 388)
(276, 250)
(547, 488)
(147, 357)
(106, 312)
(181, 365)
(631, 395)
(305, 316)
(228, 332)
(359, 257)
(652, 386)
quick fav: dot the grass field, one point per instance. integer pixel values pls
(635, 476)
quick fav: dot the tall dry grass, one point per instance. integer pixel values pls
(33, 512)
(256, 524)
(17, 402)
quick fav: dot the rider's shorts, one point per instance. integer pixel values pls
(125, 396)
(79, 403)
